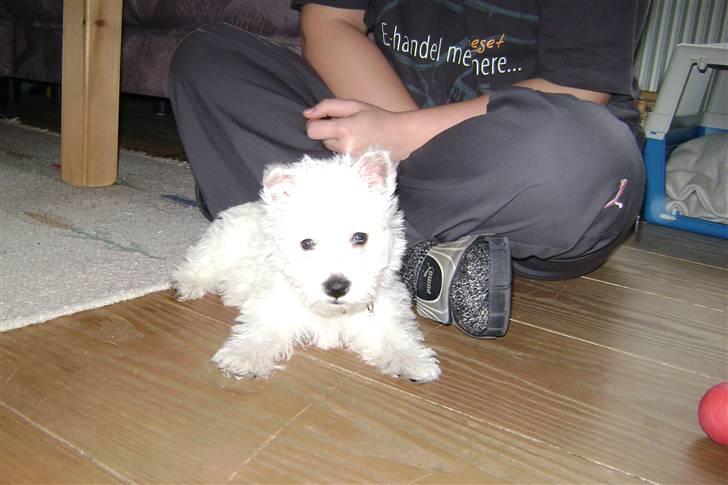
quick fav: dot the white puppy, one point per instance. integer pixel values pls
(315, 261)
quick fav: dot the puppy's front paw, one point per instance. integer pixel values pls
(183, 293)
(233, 361)
(419, 365)
(423, 369)
(186, 286)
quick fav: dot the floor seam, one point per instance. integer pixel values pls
(614, 349)
(675, 258)
(481, 420)
(67, 444)
(651, 293)
(287, 425)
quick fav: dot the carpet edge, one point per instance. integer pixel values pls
(43, 317)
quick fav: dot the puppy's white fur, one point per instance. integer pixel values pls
(254, 256)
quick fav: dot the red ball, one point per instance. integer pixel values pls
(713, 413)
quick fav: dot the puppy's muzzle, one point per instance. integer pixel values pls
(336, 286)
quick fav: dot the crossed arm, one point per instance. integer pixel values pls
(372, 106)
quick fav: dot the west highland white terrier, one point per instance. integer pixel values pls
(315, 261)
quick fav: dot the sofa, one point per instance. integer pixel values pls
(31, 33)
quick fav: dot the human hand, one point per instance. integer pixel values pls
(350, 126)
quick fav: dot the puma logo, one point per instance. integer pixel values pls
(615, 201)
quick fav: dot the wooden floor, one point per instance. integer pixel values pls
(597, 381)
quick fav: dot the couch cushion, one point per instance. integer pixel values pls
(152, 30)
(266, 17)
(35, 45)
(39, 12)
(7, 42)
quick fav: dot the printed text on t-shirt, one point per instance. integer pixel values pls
(430, 49)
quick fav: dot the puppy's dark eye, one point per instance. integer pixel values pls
(359, 238)
(308, 244)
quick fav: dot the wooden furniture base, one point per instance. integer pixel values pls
(90, 92)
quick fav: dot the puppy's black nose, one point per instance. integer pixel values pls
(336, 286)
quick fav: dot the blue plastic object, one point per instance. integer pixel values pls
(691, 88)
(656, 153)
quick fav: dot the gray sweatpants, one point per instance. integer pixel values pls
(562, 178)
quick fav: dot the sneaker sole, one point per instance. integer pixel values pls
(499, 291)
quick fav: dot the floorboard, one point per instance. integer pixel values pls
(678, 334)
(680, 245)
(132, 386)
(632, 414)
(22, 443)
(675, 279)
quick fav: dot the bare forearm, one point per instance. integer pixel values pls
(420, 126)
(336, 46)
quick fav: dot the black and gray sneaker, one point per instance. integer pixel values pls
(466, 283)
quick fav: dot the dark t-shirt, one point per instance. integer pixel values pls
(448, 50)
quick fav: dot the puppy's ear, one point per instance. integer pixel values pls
(278, 181)
(378, 169)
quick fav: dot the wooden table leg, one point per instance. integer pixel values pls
(90, 92)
